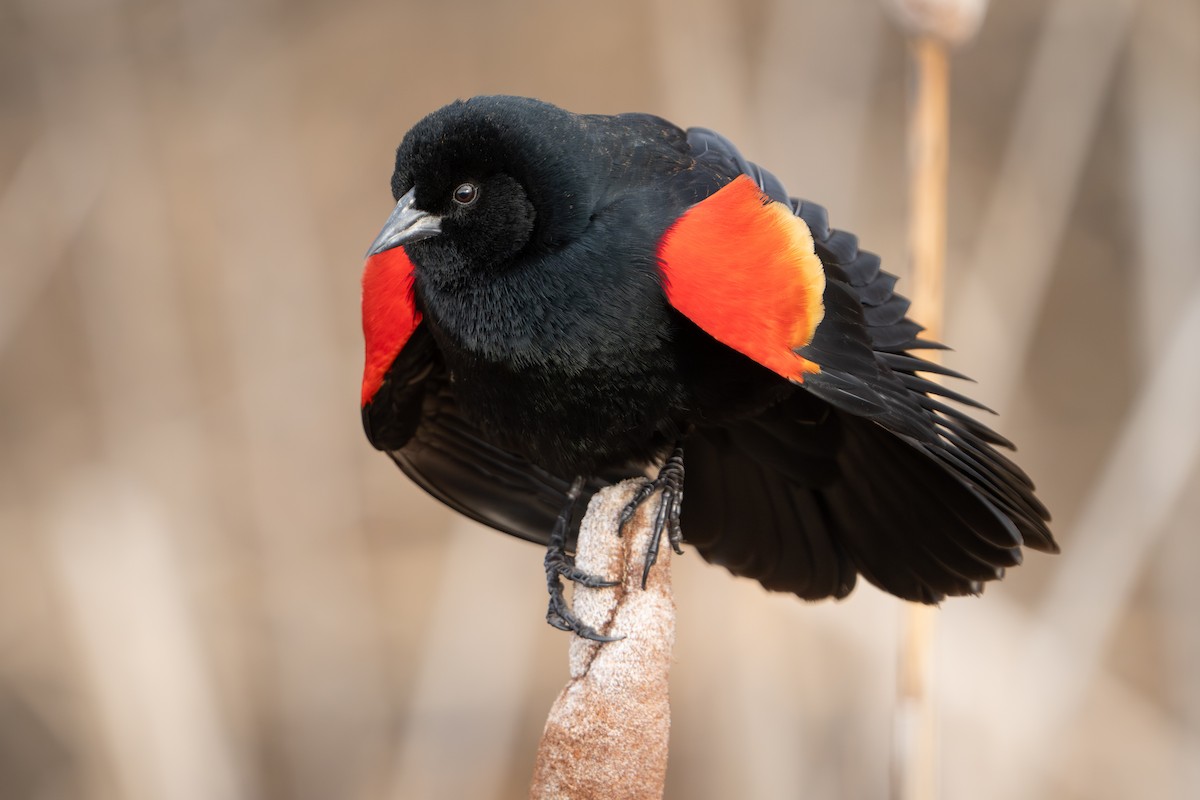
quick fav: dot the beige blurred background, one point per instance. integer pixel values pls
(211, 588)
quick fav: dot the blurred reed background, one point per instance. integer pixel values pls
(211, 588)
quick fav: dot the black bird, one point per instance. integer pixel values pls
(560, 300)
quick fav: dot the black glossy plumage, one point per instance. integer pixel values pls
(548, 350)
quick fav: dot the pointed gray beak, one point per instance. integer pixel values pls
(406, 224)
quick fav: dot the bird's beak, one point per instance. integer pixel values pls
(406, 224)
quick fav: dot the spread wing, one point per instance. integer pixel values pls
(867, 469)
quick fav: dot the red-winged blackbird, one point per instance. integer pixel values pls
(560, 300)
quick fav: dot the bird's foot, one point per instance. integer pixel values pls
(670, 481)
(559, 565)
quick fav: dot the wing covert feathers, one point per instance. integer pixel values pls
(426, 435)
(742, 267)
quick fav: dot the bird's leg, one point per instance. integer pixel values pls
(559, 565)
(670, 480)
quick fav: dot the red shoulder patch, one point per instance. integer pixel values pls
(389, 314)
(742, 267)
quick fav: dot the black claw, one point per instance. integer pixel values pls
(562, 565)
(559, 615)
(670, 480)
(559, 565)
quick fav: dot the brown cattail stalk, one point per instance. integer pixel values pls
(933, 26)
(914, 761)
(606, 735)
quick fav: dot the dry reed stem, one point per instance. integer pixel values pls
(607, 733)
(915, 756)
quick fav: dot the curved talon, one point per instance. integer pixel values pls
(564, 620)
(564, 566)
(558, 612)
(559, 565)
(670, 480)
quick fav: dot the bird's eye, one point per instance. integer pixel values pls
(466, 193)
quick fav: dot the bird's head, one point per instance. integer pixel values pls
(482, 180)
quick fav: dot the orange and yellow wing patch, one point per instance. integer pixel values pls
(389, 314)
(742, 267)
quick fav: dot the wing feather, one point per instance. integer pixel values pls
(913, 494)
